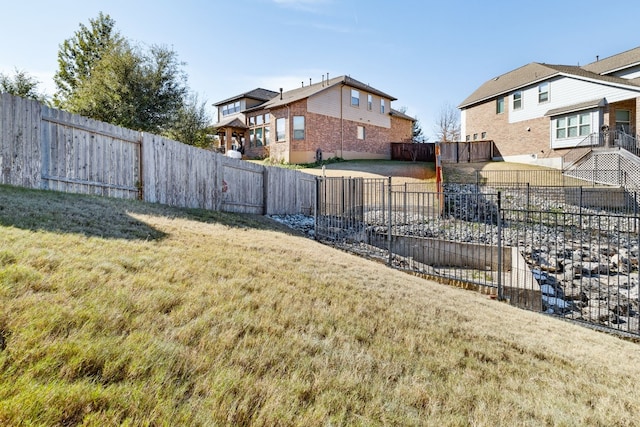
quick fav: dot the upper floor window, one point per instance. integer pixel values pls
(500, 105)
(232, 108)
(280, 133)
(259, 119)
(543, 92)
(267, 117)
(517, 100)
(382, 106)
(483, 135)
(369, 102)
(355, 98)
(298, 127)
(468, 138)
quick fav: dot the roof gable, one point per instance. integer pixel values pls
(257, 94)
(615, 63)
(531, 74)
(307, 91)
(510, 81)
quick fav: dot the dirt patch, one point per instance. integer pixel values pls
(466, 172)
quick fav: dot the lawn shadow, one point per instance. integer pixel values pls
(104, 217)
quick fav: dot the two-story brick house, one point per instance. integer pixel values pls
(339, 117)
(535, 113)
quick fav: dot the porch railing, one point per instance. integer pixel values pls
(609, 139)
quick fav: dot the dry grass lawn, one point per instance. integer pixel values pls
(123, 313)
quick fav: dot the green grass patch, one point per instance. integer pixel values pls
(118, 312)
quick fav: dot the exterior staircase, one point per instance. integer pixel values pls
(608, 158)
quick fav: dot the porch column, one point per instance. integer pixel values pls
(635, 112)
(227, 138)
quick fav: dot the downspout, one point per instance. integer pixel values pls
(289, 131)
(341, 122)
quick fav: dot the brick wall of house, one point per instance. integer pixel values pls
(629, 104)
(401, 130)
(511, 139)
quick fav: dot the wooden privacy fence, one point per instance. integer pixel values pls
(417, 152)
(44, 148)
(466, 152)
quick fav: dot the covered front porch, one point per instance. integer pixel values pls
(231, 134)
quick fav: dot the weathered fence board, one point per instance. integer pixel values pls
(243, 186)
(177, 174)
(41, 147)
(289, 191)
(81, 155)
(19, 142)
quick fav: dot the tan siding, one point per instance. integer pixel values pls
(326, 102)
(361, 114)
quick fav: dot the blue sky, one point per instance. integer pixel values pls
(428, 54)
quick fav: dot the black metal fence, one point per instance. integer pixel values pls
(542, 249)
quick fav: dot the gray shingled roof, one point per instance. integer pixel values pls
(577, 107)
(231, 122)
(259, 94)
(401, 115)
(615, 62)
(307, 91)
(530, 74)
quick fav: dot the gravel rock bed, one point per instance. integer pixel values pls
(585, 262)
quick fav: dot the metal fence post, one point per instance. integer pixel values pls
(500, 289)
(315, 209)
(389, 224)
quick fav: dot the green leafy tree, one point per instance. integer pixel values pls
(79, 54)
(106, 77)
(141, 90)
(21, 84)
(191, 124)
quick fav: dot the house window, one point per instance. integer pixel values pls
(517, 100)
(252, 138)
(267, 117)
(500, 105)
(252, 121)
(355, 98)
(361, 132)
(369, 102)
(573, 126)
(259, 141)
(468, 138)
(382, 106)
(260, 120)
(280, 129)
(232, 108)
(543, 92)
(484, 135)
(623, 120)
(475, 136)
(298, 127)
(266, 135)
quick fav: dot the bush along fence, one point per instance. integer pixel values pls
(576, 262)
(45, 148)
